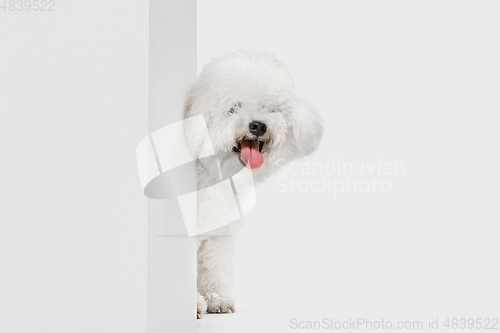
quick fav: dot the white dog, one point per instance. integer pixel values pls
(254, 118)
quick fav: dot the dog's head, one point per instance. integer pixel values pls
(250, 108)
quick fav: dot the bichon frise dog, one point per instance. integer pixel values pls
(254, 118)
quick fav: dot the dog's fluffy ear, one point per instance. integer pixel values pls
(306, 130)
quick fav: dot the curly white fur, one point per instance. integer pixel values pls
(231, 92)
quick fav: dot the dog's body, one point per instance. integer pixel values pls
(253, 118)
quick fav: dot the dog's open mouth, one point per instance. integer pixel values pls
(250, 153)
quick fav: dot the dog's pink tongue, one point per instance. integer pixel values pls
(250, 154)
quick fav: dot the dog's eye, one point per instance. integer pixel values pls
(235, 107)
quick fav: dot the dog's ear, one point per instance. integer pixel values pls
(306, 130)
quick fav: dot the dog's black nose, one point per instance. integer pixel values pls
(257, 128)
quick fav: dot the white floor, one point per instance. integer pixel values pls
(245, 321)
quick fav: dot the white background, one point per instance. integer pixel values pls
(403, 82)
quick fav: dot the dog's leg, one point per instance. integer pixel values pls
(201, 304)
(215, 273)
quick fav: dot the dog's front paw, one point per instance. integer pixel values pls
(219, 304)
(201, 307)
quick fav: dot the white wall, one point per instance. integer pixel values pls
(404, 82)
(73, 220)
